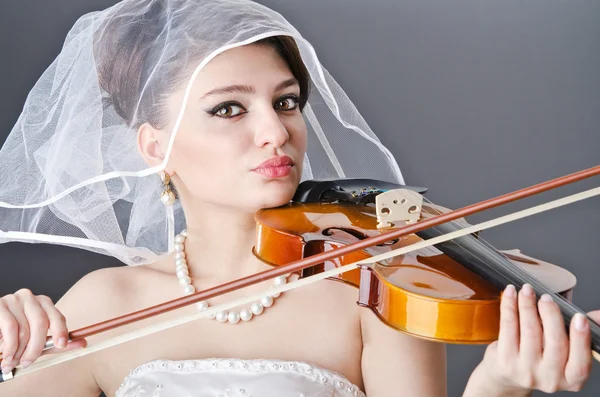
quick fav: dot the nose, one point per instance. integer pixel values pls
(269, 129)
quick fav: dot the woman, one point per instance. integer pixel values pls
(214, 97)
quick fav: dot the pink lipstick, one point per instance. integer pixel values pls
(275, 167)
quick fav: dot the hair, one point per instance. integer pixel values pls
(128, 49)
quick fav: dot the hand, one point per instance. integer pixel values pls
(533, 350)
(24, 323)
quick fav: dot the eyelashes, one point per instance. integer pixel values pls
(231, 109)
(227, 110)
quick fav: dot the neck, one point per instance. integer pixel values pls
(219, 243)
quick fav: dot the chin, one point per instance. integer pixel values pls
(276, 196)
(275, 192)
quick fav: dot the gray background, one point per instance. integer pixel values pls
(474, 98)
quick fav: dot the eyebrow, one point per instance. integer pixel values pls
(247, 89)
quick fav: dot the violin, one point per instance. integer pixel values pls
(433, 293)
(372, 235)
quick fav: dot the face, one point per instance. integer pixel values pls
(242, 138)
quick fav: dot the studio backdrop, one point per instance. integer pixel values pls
(474, 99)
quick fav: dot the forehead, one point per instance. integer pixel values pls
(249, 64)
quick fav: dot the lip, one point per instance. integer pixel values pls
(273, 162)
(275, 167)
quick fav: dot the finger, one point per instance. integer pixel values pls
(58, 323)
(76, 344)
(38, 329)
(530, 327)
(595, 316)
(579, 363)
(16, 310)
(508, 336)
(10, 334)
(556, 342)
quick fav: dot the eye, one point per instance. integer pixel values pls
(287, 103)
(228, 110)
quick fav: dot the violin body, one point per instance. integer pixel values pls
(425, 293)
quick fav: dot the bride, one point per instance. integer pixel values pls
(157, 133)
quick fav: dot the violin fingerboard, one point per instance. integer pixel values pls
(483, 259)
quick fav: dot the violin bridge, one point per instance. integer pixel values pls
(398, 205)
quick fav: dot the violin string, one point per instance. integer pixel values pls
(518, 273)
(488, 252)
(492, 262)
(496, 262)
(58, 358)
(484, 225)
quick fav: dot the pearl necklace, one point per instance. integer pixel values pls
(246, 314)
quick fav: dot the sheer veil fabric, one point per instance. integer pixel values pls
(70, 171)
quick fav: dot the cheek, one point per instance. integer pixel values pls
(296, 128)
(209, 157)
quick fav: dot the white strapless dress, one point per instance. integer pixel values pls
(234, 378)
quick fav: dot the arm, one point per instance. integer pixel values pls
(393, 361)
(75, 377)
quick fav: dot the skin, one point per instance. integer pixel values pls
(211, 166)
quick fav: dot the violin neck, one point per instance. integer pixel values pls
(484, 260)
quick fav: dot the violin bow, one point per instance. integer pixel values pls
(296, 266)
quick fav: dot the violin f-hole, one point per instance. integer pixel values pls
(357, 234)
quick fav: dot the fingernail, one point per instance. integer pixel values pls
(62, 342)
(7, 369)
(580, 322)
(510, 290)
(25, 364)
(527, 290)
(546, 298)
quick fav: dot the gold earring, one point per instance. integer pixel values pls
(167, 197)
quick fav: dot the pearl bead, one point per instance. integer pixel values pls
(221, 316)
(182, 268)
(245, 314)
(182, 272)
(167, 197)
(267, 301)
(189, 289)
(179, 255)
(256, 308)
(233, 317)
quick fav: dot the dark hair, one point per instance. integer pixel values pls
(128, 47)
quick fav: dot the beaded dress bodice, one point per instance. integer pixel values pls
(234, 378)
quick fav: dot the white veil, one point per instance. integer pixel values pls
(70, 172)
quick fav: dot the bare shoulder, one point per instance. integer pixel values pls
(103, 293)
